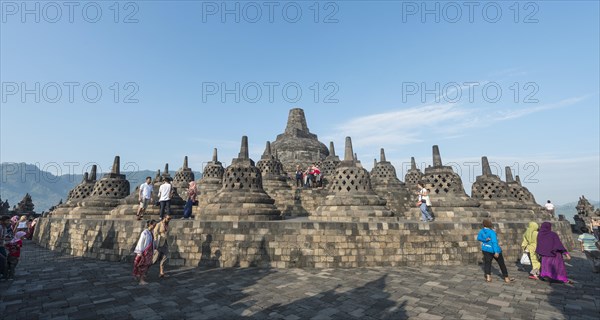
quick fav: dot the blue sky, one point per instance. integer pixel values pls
(370, 61)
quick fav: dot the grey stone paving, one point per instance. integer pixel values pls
(54, 286)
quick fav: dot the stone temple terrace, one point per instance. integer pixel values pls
(253, 214)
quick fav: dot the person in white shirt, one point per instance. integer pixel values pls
(549, 207)
(145, 197)
(164, 197)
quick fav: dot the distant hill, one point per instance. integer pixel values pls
(46, 189)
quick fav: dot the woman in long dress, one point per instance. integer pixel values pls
(144, 252)
(529, 245)
(551, 250)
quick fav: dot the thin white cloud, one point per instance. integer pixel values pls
(412, 125)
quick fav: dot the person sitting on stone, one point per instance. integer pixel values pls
(549, 208)
(422, 203)
(588, 247)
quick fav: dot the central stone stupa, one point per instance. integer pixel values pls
(297, 146)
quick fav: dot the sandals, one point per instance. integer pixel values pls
(509, 280)
(534, 277)
(488, 278)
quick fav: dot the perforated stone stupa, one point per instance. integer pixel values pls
(275, 180)
(184, 175)
(242, 196)
(182, 179)
(517, 190)
(329, 165)
(350, 197)
(107, 193)
(84, 189)
(492, 192)
(211, 181)
(413, 175)
(446, 187)
(386, 184)
(297, 146)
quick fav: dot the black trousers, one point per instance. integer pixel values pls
(165, 206)
(487, 263)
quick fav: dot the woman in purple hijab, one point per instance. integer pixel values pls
(551, 250)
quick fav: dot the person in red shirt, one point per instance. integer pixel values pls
(317, 175)
(14, 253)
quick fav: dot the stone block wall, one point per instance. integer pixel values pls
(288, 244)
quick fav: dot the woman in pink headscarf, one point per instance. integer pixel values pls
(551, 250)
(192, 193)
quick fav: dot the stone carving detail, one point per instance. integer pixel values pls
(585, 208)
(585, 213)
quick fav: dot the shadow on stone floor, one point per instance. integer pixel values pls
(580, 299)
(55, 284)
(369, 301)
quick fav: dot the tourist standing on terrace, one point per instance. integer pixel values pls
(549, 208)
(191, 199)
(491, 250)
(144, 252)
(551, 250)
(161, 233)
(529, 245)
(165, 192)
(145, 197)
